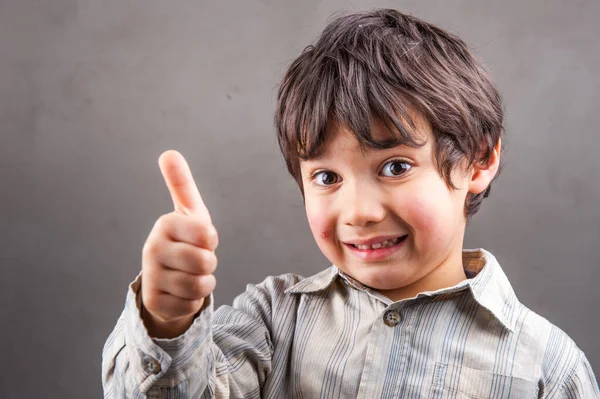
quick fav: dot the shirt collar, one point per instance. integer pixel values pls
(315, 283)
(490, 287)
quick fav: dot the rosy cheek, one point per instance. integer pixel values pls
(320, 224)
(424, 218)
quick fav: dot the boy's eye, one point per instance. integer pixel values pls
(395, 168)
(326, 178)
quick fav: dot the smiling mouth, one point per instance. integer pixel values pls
(383, 244)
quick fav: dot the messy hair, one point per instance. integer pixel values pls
(380, 65)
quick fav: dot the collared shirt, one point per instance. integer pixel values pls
(328, 336)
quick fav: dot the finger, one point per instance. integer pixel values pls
(184, 285)
(177, 227)
(188, 258)
(184, 192)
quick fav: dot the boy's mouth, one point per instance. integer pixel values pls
(376, 249)
(381, 244)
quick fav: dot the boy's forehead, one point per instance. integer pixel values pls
(341, 139)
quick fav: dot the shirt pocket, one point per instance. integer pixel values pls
(450, 381)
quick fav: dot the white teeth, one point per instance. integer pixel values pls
(389, 243)
(382, 244)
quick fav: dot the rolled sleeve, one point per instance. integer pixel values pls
(137, 365)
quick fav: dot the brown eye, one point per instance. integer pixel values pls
(395, 168)
(326, 178)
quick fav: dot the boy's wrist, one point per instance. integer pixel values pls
(166, 330)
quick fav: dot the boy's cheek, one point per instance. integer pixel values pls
(324, 237)
(323, 230)
(427, 218)
(319, 223)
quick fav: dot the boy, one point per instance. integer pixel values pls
(392, 131)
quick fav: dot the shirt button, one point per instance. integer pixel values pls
(151, 365)
(391, 317)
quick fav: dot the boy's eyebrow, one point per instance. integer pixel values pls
(322, 155)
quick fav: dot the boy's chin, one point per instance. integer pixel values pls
(380, 278)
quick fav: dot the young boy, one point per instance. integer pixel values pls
(392, 130)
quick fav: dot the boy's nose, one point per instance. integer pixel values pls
(361, 206)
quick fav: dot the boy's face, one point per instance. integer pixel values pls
(354, 197)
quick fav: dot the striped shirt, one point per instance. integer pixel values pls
(328, 336)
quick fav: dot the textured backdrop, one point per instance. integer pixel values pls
(91, 92)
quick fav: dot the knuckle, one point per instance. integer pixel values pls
(203, 233)
(165, 224)
(150, 249)
(210, 261)
(197, 286)
(212, 236)
(162, 222)
(205, 261)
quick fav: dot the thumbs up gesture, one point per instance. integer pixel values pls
(178, 257)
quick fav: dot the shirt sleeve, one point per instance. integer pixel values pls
(226, 356)
(581, 383)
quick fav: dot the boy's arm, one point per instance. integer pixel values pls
(178, 262)
(191, 365)
(581, 383)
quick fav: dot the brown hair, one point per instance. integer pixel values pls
(379, 65)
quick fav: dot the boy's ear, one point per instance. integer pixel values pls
(483, 174)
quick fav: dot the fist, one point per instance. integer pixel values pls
(178, 258)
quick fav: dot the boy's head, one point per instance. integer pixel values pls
(391, 128)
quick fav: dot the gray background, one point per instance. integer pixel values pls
(91, 92)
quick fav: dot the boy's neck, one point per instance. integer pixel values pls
(447, 274)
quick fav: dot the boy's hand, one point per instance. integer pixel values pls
(178, 257)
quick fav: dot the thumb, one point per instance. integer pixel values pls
(181, 185)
